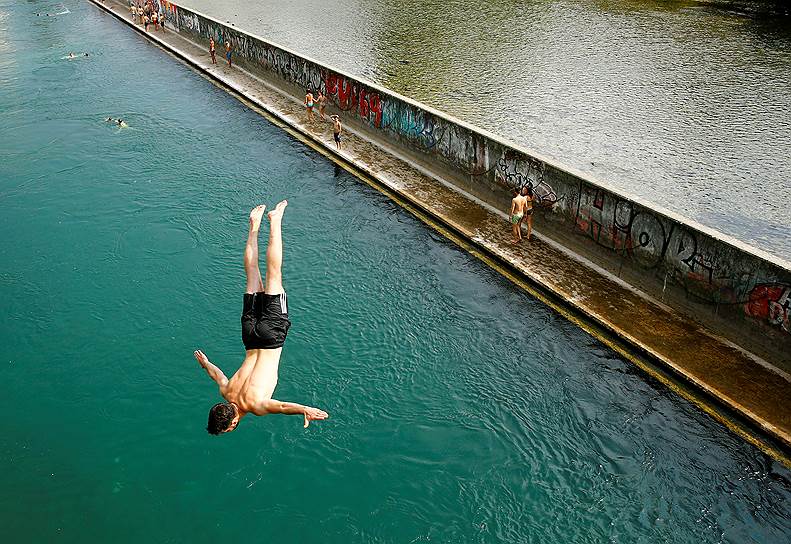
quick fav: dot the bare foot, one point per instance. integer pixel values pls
(255, 216)
(277, 213)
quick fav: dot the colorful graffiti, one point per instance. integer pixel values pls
(708, 272)
(350, 95)
(771, 303)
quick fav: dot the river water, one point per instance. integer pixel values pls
(684, 106)
(461, 409)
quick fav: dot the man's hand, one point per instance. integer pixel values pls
(213, 372)
(313, 414)
(201, 357)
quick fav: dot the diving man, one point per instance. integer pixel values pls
(265, 325)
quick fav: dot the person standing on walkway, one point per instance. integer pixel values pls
(139, 14)
(516, 214)
(265, 325)
(212, 51)
(228, 53)
(146, 22)
(154, 19)
(527, 194)
(133, 11)
(336, 131)
(321, 99)
(309, 104)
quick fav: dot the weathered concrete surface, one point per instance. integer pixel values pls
(738, 379)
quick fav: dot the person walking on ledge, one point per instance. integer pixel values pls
(265, 325)
(516, 214)
(212, 51)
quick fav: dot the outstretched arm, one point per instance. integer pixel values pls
(273, 406)
(214, 372)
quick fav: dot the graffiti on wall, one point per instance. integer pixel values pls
(680, 255)
(771, 303)
(705, 268)
(517, 171)
(351, 96)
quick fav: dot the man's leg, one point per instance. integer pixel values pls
(254, 284)
(274, 251)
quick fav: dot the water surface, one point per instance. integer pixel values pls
(461, 409)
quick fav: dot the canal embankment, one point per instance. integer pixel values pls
(707, 309)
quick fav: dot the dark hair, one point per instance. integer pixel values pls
(220, 417)
(528, 190)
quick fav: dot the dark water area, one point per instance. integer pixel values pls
(682, 104)
(462, 410)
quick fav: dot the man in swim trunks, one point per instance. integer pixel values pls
(516, 214)
(212, 51)
(228, 52)
(309, 104)
(336, 131)
(265, 325)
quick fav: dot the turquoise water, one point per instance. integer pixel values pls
(461, 409)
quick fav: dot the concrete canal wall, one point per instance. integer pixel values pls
(733, 289)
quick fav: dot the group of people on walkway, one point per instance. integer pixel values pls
(320, 100)
(145, 13)
(213, 52)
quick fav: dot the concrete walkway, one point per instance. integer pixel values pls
(625, 319)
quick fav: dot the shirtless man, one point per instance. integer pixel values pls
(212, 51)
(518, 203)
(336, 131)
(265, 325)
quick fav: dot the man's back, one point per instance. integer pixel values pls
(519, 204)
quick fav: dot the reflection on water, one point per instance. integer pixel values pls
(685, 106)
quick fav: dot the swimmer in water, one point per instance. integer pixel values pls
(265, 325)
(71, 55)
(122, 123)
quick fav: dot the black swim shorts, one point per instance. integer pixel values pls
(336, 136)
(265, 321)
